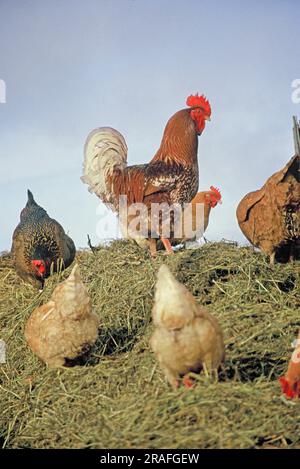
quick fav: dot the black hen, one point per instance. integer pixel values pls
(40, 242)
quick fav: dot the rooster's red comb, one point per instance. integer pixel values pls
(216, 191)
(201, 101)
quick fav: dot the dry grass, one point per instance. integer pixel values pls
(118, 397)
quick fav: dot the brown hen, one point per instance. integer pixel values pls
(270, 216)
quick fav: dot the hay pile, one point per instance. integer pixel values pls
(118, 397)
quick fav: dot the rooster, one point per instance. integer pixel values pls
(170, 178)
(65, 328)
(39, 242)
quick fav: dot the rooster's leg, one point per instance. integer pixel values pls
(167, 245)
(152, 246)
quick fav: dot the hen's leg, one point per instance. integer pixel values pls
(272, 259)
(167, 245)
(171, 377)
(152, 246)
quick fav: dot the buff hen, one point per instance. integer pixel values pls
(186, 336)
(196, 218)
(64, 328)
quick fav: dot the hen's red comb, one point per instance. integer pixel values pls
(201, 101)
(216, 191)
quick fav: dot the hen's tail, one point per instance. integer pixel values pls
(105, 152)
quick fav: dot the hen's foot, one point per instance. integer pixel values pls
(188, 383)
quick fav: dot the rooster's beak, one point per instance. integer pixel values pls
(207, 118)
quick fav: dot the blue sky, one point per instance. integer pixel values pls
(70, 66)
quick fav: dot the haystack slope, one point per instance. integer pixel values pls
(118, 397)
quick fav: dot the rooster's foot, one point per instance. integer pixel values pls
(152, 246)
(167, 246)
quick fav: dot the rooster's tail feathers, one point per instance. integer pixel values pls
(105, 151)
